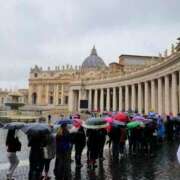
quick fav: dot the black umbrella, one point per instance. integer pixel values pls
(14, 125)
(36, 129)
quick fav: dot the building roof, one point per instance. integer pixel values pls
(139, 56)
(93, 60)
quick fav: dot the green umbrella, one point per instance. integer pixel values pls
(134, 124)
(95, 123)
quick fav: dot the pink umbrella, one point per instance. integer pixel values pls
(108, 119)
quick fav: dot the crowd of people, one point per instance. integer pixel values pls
(45, 147)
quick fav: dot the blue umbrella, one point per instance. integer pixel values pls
(36, 129)
(64, 121)
(14, 125)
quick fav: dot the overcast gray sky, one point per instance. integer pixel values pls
(58, 32)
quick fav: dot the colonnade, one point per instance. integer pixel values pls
(161, 95)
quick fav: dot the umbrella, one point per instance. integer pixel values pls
(108, 119)
(95, 123)
(134, 124)
(64, 121)
(138, 118)
(116, 123)
(178, 154)
(1, 125)
(14, 125)
(121, 117)
(36, 129)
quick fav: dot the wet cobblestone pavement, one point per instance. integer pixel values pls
(163, 166)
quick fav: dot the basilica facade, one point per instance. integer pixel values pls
(138, 83)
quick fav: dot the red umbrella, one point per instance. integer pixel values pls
(121, 117)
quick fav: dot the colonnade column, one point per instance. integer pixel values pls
(120, 98)
(114, 99)
(139, 98)
(102, 100)
(126, 98)
(146, 98)
(95, 99)
(160, 96)
(153, 101)
(90, 100)
(133, 100)
(108, 100)
(167, 98)
(174, 95)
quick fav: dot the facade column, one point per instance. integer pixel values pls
(102, 100)
(114, 99)
(146, 97)
(47, 94)
(126, 98)
(174, 95)
(90, 100)
(133, 101)
(71, 100)
(62, 94)
(108, 100)
(160, 96)
(56, 94)
(120, 99)
(139, 98)
(30, 95)
(95, 99)
(39, 95)
(153, 101)
(167, 98)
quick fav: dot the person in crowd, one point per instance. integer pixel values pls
(13, 145)
(49, 154)
(169, 128)
(101, 139)
(36, 156)
(92, 147)
(132, 137)
(79, 142)
(63, 144)
(123, 136)
(114, 138)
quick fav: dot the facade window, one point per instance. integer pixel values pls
(34, 98)
(35, 74)
(51, 100)
(59, 101)
(66, 99)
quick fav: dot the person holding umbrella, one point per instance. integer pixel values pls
(79, 140)
(63, 146)
(13, 145)
(49, 153)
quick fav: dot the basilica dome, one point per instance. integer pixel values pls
(93, 61)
